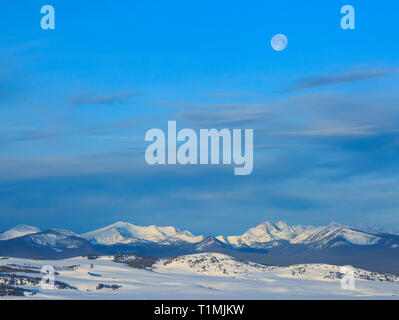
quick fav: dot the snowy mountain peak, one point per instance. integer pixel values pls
(18, 231)
(334, 224)
(124, 232)
(264, 232)
(333, 234)
(284, 226)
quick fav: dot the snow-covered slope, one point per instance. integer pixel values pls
(56, 239)
(333, 234)
(376, 230)
(199, 276)
(215, 264)
(124, 232)
(18, 231)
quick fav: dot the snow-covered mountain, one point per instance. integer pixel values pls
(18, 231)
(125, 233)
(48, 244)
(269, 235)
(211, 244)
(56, 239)
(373, 229)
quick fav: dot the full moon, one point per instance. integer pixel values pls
(279, 42)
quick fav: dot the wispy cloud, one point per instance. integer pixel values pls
(36, 135)
(365, 130)
(222, 95)
(19, 47)
(119, 161)
(331, 79)
(111, 99)
(213, 106)
(222, 117)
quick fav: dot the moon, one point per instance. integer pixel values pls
(279, 42)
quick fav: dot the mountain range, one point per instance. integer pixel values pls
(280, 244)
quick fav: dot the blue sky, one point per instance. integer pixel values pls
(76, 102)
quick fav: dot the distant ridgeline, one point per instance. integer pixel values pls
(278, 244)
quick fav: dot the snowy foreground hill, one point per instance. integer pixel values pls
(197, 276)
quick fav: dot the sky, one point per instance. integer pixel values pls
(76, 102)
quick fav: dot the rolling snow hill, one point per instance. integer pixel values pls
(199, 276)
(215, 264)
